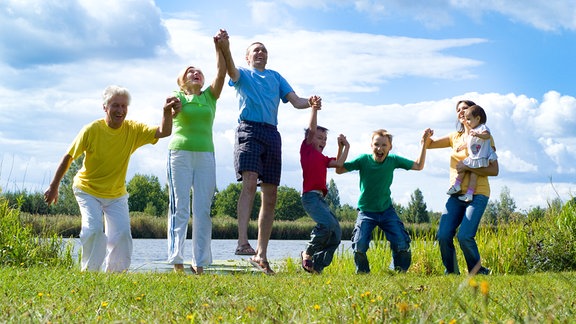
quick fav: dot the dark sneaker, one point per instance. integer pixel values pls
(484, 271)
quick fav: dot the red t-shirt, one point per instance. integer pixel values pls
(314, 168)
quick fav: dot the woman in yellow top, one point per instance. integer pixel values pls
(99, 186)
(458, 213)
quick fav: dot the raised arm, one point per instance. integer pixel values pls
(218, 82)
(419, 163)
(312, 125)
(51, 194)
(171, 108)
(343, 148)
(224, 43)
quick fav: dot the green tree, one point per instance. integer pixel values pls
(506, 205)
(416, 211)
(490, 215)
(289, 205)
(226, 201)
(333, 196)
(146, 194)
(346, 213)
(66, 200)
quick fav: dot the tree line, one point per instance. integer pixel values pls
(147, 195)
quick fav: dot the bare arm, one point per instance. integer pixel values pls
(343, 148)
(491, 170)
(441, 142)
(171, 108)
(312, 125)
(302, 103)
(484, 135)
(51, 194)
(218, 82)
(233, 72)
(419, 163)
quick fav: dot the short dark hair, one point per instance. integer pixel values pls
(477, 111)
(318, 128)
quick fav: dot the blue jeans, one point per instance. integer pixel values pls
(466, 216)
(395, 233)
(326, 235)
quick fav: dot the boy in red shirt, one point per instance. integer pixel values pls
(326, 235)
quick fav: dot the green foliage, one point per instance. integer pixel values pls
(226, 201)
(333, 196)
(416, 211)
(289, 205)
(346, 213)
(146, 194)
(66, 203)
(20, 247)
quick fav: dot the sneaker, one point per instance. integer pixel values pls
(466, 198)
(453, 190)
(484, 271)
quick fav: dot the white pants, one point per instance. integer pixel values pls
(196, 170)
(111, 243)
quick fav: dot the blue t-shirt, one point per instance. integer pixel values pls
(259, 94)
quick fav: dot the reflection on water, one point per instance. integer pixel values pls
(148, 251)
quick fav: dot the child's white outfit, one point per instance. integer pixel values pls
(480, 151)
(480, 154)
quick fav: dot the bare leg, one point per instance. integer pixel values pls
(266, 219)
(245, 203)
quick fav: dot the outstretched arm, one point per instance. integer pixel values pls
(51, 194)
(302, 103)
(419, 163)
(224, 43)
(312, 126)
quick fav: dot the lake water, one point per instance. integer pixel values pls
(150, 254)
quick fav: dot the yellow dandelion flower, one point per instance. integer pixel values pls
(402, 307)
(473, 283)
(220, 318)
(40, 294)
(353, 305)
(441, 322)
(205, 305)
(484, 288)
(362, 295)
(328, 282)
(367, 293)
(372, 300)
(250, 309)
(189, 317)
(452, 321)
(404, 293)
(379, 298)
(138, 298)
(73, 291)
(104, 304)
(416, 306)
(316, 307)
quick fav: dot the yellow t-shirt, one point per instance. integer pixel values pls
(107, 153)
(459, 153)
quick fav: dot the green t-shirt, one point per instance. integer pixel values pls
(376, 179)
(192, 127)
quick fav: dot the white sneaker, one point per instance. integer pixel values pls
(466, 198)
(453, 190)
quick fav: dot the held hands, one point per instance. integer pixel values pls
(426, 136)
(174, 105)
(315, 102)
(221, 39)
(342, 141)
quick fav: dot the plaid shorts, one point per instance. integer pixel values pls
(258, 148)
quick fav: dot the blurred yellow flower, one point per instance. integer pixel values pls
(250, 309)
(403, 307)
(484, 288)
(316, 307)
(40, 294)
(104, 304)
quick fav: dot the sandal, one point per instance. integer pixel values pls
(307, 264)
(262, 265)
(197, 270)
(245, 249)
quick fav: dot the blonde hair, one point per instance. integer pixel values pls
(382, 132)
(181, 80)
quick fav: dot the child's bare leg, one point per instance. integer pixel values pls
(456, 186)
(469, 196)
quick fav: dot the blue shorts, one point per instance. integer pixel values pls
(258, 148)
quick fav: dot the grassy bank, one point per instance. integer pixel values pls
(292, 296)
(223, 227)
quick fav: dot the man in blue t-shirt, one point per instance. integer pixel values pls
(258, 146)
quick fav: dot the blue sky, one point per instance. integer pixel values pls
(399, 65)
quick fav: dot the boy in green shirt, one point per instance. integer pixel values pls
(375, 202)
